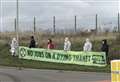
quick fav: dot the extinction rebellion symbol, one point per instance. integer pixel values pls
(22, 52)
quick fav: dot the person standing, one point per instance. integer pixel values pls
(32, 43)
(105, 48)
(87, 46)
(67, 44)
(14, 46)
(50, 44)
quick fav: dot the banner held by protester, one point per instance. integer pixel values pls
(60, 56)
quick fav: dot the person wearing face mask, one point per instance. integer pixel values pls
(14, 46)
(67, 44)
(32, 42)
(50, 44)
(105, 48)
(87, 46)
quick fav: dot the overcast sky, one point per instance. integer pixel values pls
(62, 9)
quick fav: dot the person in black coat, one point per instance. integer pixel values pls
(32, 42)
(105, 48)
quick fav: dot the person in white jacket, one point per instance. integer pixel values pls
(87, 46)
(67, 44)
(14, 46)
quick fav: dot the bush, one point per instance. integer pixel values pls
(118, 39)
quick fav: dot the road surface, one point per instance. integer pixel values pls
(37, 75)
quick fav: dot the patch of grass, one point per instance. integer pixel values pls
(7, 60)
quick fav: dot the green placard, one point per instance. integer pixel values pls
(60, 56)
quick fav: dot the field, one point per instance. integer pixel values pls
(77, 43)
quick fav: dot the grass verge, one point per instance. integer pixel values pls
(7, 60)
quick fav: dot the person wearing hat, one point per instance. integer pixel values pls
(87, 46)
(105, 48)
(32, 43)
(14, 46)
(67, 44)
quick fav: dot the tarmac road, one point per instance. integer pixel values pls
(36, 75)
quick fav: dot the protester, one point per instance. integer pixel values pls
(105, 48)
(32, 42)
(67, 44)
(50, 44)
(14, 46)
(87, 46)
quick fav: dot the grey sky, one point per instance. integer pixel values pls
(62, 9)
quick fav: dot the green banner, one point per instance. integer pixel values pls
(60, 56)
